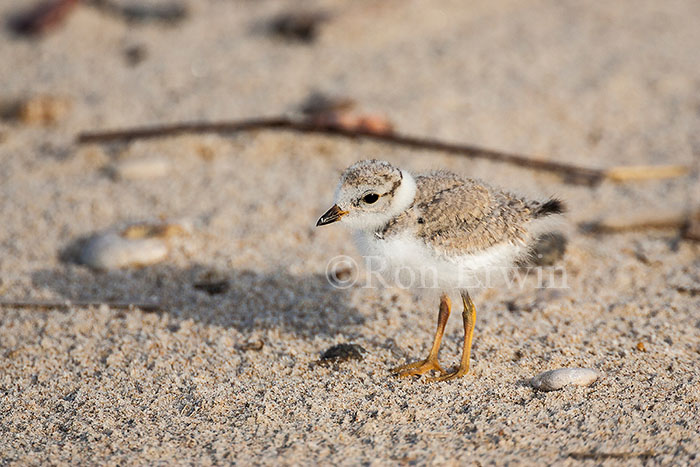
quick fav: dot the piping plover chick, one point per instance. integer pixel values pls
(456, 230)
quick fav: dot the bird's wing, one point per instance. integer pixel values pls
(465, 216)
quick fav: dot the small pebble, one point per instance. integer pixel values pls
(341, 276)
(341, 353)
(212, 287)
(692, 231)
(319, 103)
(141, 168)
(301, 26)
(170, 12)
(252, 345)
(549, 249)
(553, 380)
(112, 251)
(135, 54)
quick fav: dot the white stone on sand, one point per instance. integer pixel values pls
(141, 168)
(112, 251)
(553, 380)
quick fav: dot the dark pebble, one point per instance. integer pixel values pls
(212, 288)
(166, 13)
(342, 353)
(319, 103)
(135, 54)
(340, 276)
(298, 26)
(548, 249)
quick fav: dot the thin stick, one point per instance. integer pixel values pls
(644, 220)
(612, 455)
(645, 172)
(148, 307)
(159, 131)
(571, 173)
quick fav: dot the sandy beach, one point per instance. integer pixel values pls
(227, 370)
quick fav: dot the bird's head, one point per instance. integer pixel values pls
(370, 194)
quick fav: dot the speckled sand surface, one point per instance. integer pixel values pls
(595, 83)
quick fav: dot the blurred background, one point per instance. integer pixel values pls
(576, 81)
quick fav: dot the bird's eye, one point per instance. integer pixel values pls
(370, 198)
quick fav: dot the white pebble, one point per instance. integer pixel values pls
(556, 379)
(111, 251)
(141, 168)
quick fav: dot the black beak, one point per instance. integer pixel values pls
(332, 215)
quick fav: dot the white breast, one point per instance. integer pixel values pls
(406, 261)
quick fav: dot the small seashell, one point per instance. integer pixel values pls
(252, 345)
(36, 110)
(352, 122)
(375, 124)
(112, 251)
(553, 380)
(141, 168)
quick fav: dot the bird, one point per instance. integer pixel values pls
(455, 229)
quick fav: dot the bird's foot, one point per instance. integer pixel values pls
(418, 368)
(458, 373)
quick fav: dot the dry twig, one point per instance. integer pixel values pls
(599, 456)
(644, 172)
(570, 173)
(148, 307)
(645, 220)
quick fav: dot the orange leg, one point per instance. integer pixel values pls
(430, 363)
(469, 317)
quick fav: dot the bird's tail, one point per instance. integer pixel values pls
(549, 207)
